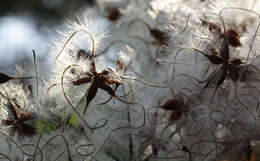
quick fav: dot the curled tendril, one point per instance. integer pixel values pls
(66, 98)
(73, 34)
(130, 91)
(210, 131)
(8, 137)
(151, 142)
(31, 155)
(58, 156)
(49, 88)
(208, 39)
(133, 22)
(77, 149)
(112, 44)
(65, 141)
(145, 83)
(244, 106)
(122, 128)
(220, 122)
(38, 142)
(96, 126)
(55, 84)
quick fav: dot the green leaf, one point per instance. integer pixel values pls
(74, 120)
(47, 126)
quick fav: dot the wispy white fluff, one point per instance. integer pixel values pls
(81, 28)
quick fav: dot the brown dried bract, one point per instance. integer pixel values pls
(177, 106)
(121, 66)
(160, 36)
(233, 38)
(5, 78)
(173, 104)
(211, 26)
(237, 62)
(114, 15)
(214, 51)
(230, 68)
(18, 125)
(215, 59)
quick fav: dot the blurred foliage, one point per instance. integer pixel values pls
(74, 121)
(36, 19)
(45, 127)
(45, 9)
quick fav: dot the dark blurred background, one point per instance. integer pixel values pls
(31, 24)
(53, 10)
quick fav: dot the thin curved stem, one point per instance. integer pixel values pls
(58, 156)
(122, 128)
(85, 145)
(73, 34)
(65, 141)
(100, 126)
(38, 142)
(143, 82)
(186, 24)
(206, 38)
(66, 98)
(24, 145)
(5, 157)
(37, 82)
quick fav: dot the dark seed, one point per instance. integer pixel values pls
(114, 15)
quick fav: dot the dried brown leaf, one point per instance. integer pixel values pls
(5, 78)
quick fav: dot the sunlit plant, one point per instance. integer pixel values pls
(140, 81)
